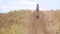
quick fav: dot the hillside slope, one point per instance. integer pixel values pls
(17, 22)
(14, 22)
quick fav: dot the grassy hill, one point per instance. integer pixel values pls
(53, 18)
(17, 22)
(14, 22)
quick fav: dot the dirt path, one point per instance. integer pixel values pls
(38, 25)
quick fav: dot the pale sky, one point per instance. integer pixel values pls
(9, 5)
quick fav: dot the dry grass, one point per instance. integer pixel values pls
(16, 22)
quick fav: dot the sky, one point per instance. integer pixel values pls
(10, 5)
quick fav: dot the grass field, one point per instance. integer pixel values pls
(17, 22)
